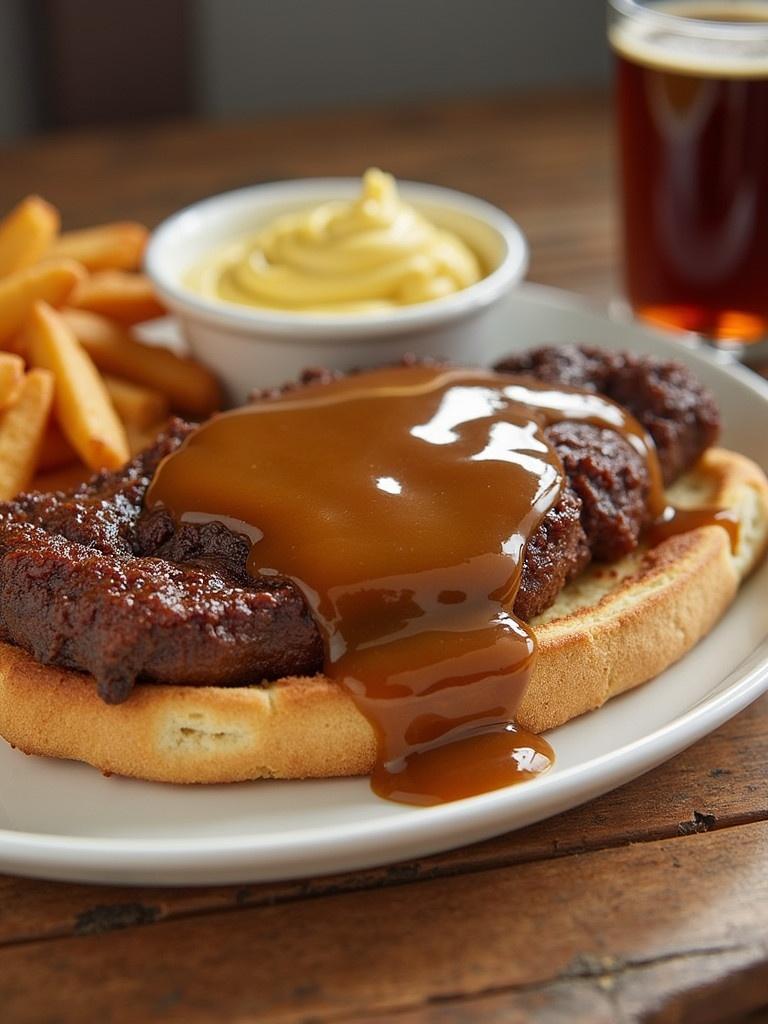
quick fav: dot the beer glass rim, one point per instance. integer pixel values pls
(652, 12)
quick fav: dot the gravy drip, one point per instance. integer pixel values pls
(675, 520)
(400, 501)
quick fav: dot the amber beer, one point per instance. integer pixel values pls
(692, 88)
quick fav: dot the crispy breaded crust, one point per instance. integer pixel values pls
(610, 630)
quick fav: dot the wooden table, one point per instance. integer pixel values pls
(649, 904)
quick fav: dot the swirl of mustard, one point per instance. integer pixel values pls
(371, 253)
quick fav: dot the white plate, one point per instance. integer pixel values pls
(63, 820)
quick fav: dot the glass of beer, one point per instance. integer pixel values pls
(692, 91)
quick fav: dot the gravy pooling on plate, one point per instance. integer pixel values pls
(400, 501)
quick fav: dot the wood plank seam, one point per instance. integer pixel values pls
(606, 975)
(683, 1007)
(101, 919)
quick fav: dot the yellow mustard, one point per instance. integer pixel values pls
(371, 253)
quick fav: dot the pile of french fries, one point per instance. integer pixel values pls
(78, 391)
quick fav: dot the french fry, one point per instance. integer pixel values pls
(118, 246)
(50, 281)
(21, 431)
(190, 387)
(11, 377)
(128, 298)
(136, 406)
(26, 234)
(55, 451)
(82, 406)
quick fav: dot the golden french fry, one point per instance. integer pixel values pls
(190, 387)
(128, 298)
(21, 432)
(26, 234)
(136, 406)
(82, 406)
(118, 246)
(11, 377)
(55, 451)
(50, 281)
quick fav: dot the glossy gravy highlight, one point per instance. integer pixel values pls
(400, 501)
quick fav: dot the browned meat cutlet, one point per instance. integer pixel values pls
(679, 413)
(89, 581)
(600, 514)
(79, 590)
(101, 513)
(601, 511)
(125, 618)
(605, 477)
(556, 552)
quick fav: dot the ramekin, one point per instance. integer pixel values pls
(253, 348)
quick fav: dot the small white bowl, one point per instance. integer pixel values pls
(250, 347)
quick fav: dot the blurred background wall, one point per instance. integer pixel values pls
(72, 63)
(16, 99)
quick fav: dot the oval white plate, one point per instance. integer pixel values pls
(63, 820)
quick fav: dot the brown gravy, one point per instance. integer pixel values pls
(681, 520)
(400, 501)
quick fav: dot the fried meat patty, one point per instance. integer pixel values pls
(90, 581)
(81, 586)
(679, 413)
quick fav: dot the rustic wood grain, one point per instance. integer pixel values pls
(546, 159)
(718, 783)
(676, 924)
